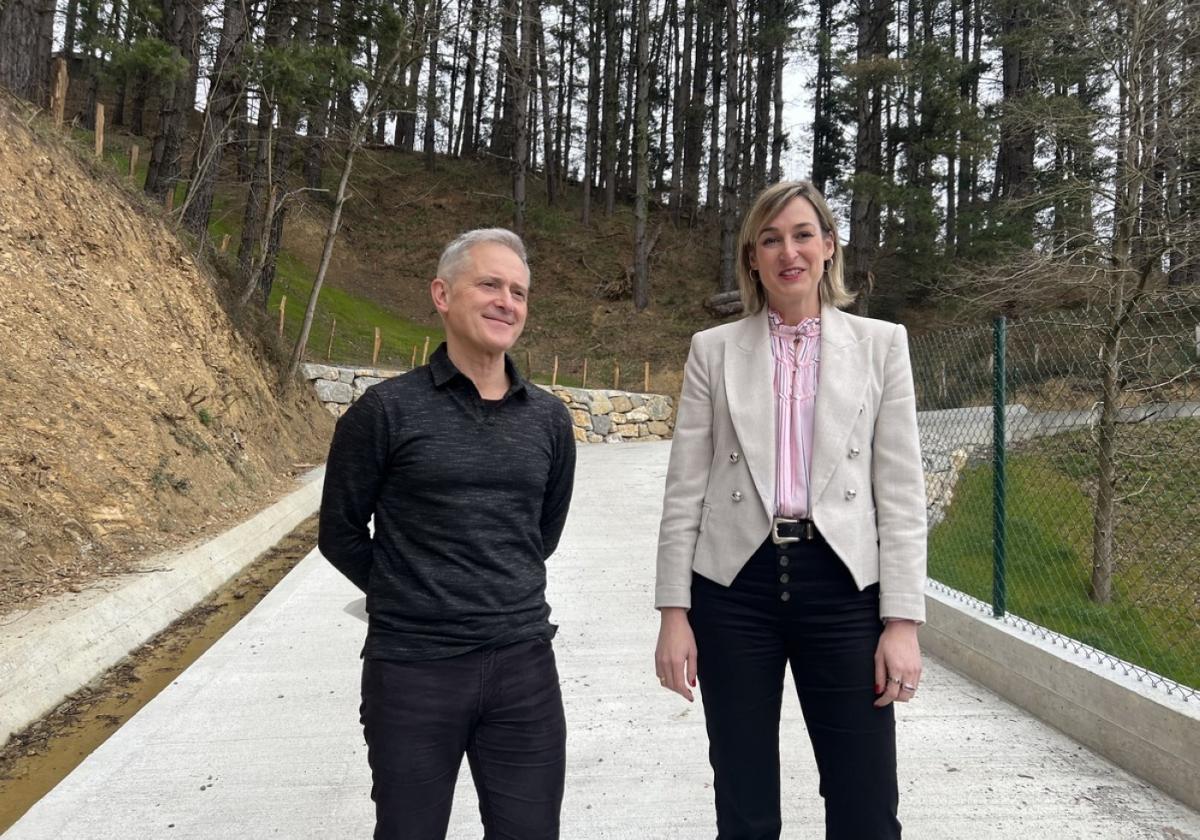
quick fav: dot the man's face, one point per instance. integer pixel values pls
(485, 304)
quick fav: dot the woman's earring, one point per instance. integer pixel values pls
(828, 265)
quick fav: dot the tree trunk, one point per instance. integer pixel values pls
(466, 142)
(641, 262)
(521, 70)
(452, 111)
(712, 198)
(608, 131)
(693, 121)
(566, 127)
(593, 109)
(260, 197)
(483, 77)
(763, 95)
(683, 93)
(69, 30)
(826, 131)
(777, 135)
(729, 198)
(406, 122)
(182, 22)
(1104, 516)
(225, 88)
(1014, 161)
(431, 98)
(872, 46)
(26, 39)
(504, 120)
(543, 72)
(625, 176)
(319, 108)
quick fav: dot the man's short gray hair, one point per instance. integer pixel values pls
(456, 253)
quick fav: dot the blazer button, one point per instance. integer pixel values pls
(854, 452)
(851, 493)
(736, 495)
(733, 457)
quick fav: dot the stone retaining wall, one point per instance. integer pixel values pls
(600, 415)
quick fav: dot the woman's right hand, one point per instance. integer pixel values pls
(675, 656)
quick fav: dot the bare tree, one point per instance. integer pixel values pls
(1115, 275)
(397, 50)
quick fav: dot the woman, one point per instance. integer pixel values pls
(793, 530)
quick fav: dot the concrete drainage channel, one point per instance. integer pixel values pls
(72, 671)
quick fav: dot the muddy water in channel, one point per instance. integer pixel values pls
(39, 757)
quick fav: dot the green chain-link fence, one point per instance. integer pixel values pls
(1075, 511)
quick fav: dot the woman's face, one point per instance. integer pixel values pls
(789, 255)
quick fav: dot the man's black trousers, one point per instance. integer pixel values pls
(500, 707)
(794, 604)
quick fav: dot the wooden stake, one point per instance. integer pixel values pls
(425, 352)
(528, 364)
(171, 198)
(133, 158)
(225, 246)
(332, 330)
(378, 344)
(554, 376)
(584, 373)
(616, 376)
(646, 380)
(413, 363)
(282, 305)
(99, 130)
(58, 93)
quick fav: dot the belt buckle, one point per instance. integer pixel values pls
(775, 535)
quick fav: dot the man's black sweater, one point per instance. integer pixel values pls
(469, 497)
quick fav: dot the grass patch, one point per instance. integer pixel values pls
(1151, 620)
(357, 318)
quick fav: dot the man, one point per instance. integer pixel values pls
(467, 470)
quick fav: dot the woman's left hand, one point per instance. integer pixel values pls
(897, 662)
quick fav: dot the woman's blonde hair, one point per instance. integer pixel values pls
(766, 207)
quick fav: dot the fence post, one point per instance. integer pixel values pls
(999, 489)
(554, 376)
(425, 352)
(646, 379)
(99, 130)
(332, 331)
(58, 92)
(584, 385)
(282, 306)
(133, 159)
(375, 347)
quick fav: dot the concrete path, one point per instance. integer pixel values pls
(259, 738)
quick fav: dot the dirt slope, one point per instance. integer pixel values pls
(132, 416)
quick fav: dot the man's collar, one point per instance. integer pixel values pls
(443, 371)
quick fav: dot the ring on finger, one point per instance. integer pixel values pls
(895, 680)
(907, 687)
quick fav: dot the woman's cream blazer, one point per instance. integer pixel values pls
(867, 482)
